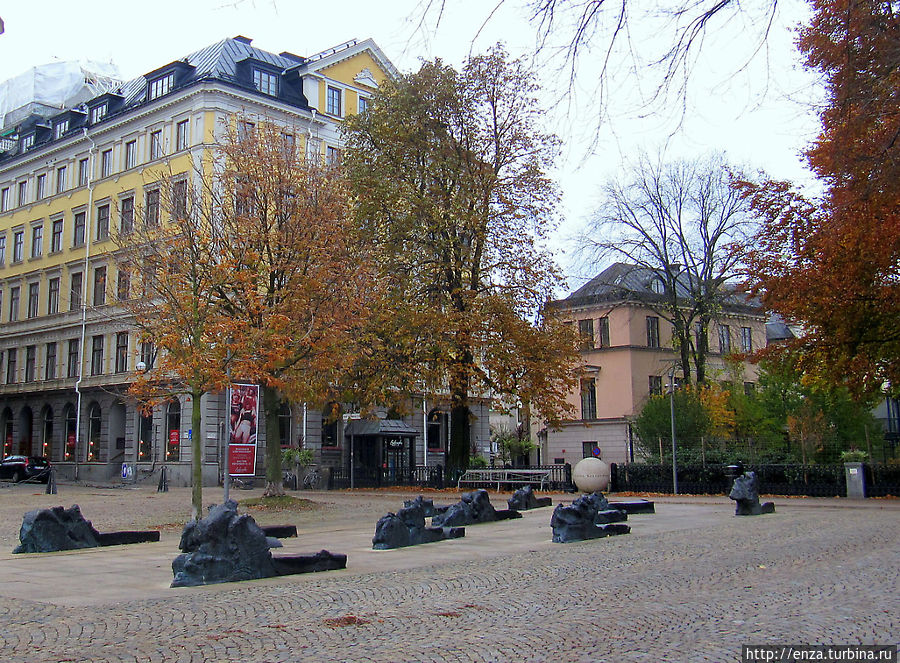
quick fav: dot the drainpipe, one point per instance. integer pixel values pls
(88, 225)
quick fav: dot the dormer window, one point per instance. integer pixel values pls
(657, 286)
(60, 129)
(98, 112)
(266, 82)
(162, 85)
(27, 142)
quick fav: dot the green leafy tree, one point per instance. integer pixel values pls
(448, 171)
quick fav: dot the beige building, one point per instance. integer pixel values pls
(627, 355)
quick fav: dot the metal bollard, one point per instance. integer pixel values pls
(163, 486)
(51, 482)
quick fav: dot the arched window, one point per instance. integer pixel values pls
(173, 430)
(47, 432)
(94, 417)
(331, 415)
(6, 428)
(71, 424)
(145, 436)
(284, 424)
(26, 431)
(438, 429)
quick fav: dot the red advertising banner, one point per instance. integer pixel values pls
(242, 460)
(243, 402)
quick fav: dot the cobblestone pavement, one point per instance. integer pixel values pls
(694, 592)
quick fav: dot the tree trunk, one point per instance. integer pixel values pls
(271, 407)
(196, 457)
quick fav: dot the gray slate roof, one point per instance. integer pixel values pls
(622, 282)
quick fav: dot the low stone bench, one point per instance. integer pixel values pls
(280, 531)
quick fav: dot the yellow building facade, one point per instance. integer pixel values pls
(71, 177)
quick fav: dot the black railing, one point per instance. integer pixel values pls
(431, 477)
(428, 477)
(780, 479)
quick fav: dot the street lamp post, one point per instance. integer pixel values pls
(672, 414)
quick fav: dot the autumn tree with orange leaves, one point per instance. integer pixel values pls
(297, 281)
(832, 265)
(167, 261)
(449, 175)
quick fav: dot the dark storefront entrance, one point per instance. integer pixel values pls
(383, 451)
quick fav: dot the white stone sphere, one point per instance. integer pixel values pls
(591, 475)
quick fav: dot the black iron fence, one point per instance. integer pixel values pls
(428, 477)
(780, 479)
(431, 477)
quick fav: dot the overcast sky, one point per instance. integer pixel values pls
(762, 117)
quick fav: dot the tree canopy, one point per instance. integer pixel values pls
(832, 265)
(448, 171)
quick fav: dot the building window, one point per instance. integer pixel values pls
(71, 424)
(181, 135)
(588, 398)
(34, 295)
(656, 385)
(121, 352)
(75, 291)
(61, 179)
(652, 331)
(37, 241)
(130, 154)
(97, 355)
(156, 144)
(331, 417)
(53, 296)
(2, 249)
(4, 199)
(102, 222)
(173, 430)
(50, 362)
(245, 130)
(438, 426)
(603, 331)
(148, 354)
(288, 145)
(179, 199)
(105, 163)
(363, 104)
(145, 433)
(47, 433)
(746, 340)
(285, 419)
(72, 362)
(126, 215)
(18, 245)
(749, 388)
(700, 338)
(40, 188)
(78, 229)
(30, 362)
(14, 303)
(332, 157)
(161, 86)
(99, 286)
(94, 421)
(587, 449)
(23, 193)
(83, 172)
(56, 235)
(123, 284)
(265, 82)
(60, 129)
(586, 334)
(98, 113)
(28, 142)
(724, 339)
(151, 209)
(11, 376)
(333, 101)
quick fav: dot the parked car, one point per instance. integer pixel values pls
(17, 468)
